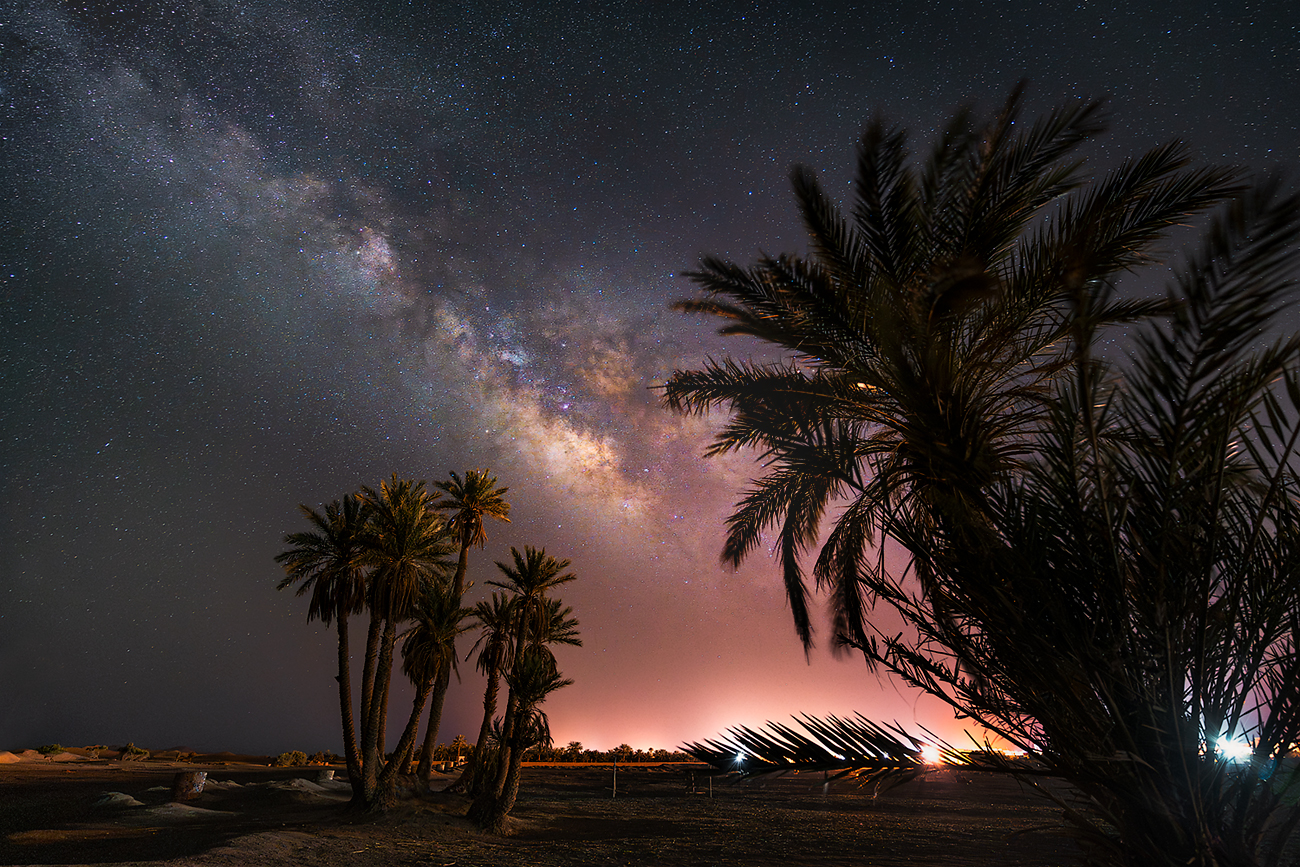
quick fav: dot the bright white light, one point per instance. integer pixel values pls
(931, 755)
(740, 757)
(1234, 749)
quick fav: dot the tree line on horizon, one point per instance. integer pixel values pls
(574, 752)
(399, 553)
(1095, 496)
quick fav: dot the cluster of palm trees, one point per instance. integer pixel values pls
(400, 553)
(1102, 561)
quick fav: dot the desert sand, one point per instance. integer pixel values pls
(113, 812)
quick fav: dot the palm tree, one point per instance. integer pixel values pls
(923, 333)
(470, 500)
(328, 563)
(499, 622)
(532, 678)
(530, 577)
(406, 545)
(427, 648)
(533, 574)
(495, 618)
(535, 621)
(1105, 558)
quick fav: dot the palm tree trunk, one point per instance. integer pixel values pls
(462, 565)
(505, 802)
(469, 777)
(491, 777)
(383, 683)
(345, 701)
(440, 686)
(372, 748)
(509, 723)
(385, 792)
(495, 783)
(364, 782)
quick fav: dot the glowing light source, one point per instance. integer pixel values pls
(1234, 749)
(931, 755)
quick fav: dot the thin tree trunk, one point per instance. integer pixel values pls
(376, 714)
(495, 802)
(491, 774)
(508, 725)
(364, 782)
(345, 702)
(462, 565)
(440, 686)
(468, 781)
(387, 655)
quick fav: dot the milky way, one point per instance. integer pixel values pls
(259, 254)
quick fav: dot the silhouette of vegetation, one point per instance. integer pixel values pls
(429, 649)
(406, 546)
(535, 621)
(469, 501)
(387, 552)
(1100, 553)
(328, 564)
(384, 551)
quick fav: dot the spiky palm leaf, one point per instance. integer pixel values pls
(328, 562)
(870, 753)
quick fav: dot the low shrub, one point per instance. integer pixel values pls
(50, 749)
(291, 759)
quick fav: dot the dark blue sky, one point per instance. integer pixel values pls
(257, 254)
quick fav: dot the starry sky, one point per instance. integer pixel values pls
(257, 253)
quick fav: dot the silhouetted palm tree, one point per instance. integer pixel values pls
(428, 647)
(406, 545)
(532, 678)
(535, 620)
(924, 331)
(529, 578)
(470, 501)
(495, 645)
(328, 563)
(1105, 557)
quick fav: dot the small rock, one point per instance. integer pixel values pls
(117, 799)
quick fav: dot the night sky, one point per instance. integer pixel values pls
(256, 254)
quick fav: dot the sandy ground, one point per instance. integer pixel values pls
(61, 813)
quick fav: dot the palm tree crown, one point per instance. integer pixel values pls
(922, 332)
(328, 562)
(431, 642)
(407, 543)
(471, 500)
(532, 575)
